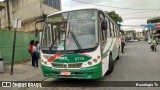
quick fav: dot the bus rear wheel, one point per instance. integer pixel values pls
(111, 66)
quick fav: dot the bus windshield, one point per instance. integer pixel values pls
(72, 30)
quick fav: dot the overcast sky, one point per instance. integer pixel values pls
(129, 16)
(145, 9)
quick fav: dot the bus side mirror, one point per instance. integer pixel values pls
(104, 25)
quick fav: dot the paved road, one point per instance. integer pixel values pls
(138, 63)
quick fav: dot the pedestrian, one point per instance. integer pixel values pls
(35, 55)
(30, 49)
(122, 45)
(38, 49)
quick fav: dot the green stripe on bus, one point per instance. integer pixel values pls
(93, 72)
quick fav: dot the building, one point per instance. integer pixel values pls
(28, 11)
(156, 31)
(2, 6)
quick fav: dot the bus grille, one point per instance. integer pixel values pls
(77, 65)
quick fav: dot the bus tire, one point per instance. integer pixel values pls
(111, 66)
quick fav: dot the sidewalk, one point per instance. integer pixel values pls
(22, 72)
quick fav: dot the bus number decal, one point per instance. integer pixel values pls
(79, 59)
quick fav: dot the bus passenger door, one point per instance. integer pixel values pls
(103, 42)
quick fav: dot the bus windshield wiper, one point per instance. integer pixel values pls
(74, 37)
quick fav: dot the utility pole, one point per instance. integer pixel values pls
(8, 14)
(16, 25)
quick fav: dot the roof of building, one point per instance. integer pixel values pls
(153, 18)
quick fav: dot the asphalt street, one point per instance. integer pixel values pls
(138, 63)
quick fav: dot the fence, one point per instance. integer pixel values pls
(21, 49)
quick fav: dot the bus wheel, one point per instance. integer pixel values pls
(111, 66)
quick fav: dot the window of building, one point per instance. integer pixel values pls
(53, 3)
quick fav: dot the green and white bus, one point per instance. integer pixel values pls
(80, 44)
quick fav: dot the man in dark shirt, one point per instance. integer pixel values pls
(122, 45)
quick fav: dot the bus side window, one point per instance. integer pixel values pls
(118, 32)
(103, 27)
(115, 30)
(103, 30)
(112, 28)
(108, 29)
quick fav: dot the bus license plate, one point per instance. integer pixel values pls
(66, 73)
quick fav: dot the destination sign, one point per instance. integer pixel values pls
(72, 15)
(81, 15)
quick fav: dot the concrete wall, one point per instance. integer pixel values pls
(28, 11)
(21, 47)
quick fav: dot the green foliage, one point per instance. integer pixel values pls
(114, 16)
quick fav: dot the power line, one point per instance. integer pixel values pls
(111, 6)
(131, 25)
(139, 12)
(137, 18)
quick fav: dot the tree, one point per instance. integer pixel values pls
(114, 16)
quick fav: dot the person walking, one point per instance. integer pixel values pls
(122, 45)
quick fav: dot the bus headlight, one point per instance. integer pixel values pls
(94, 60)
(89, 63)
(98, 57)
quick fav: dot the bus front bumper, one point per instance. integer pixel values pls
(93, 72)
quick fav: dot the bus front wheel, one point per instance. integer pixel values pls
(111, 66)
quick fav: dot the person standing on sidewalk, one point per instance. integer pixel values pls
(30, 50)
(38, 48)
(35, 55)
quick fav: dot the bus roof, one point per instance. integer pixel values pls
(80, 9)
(72, 10)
